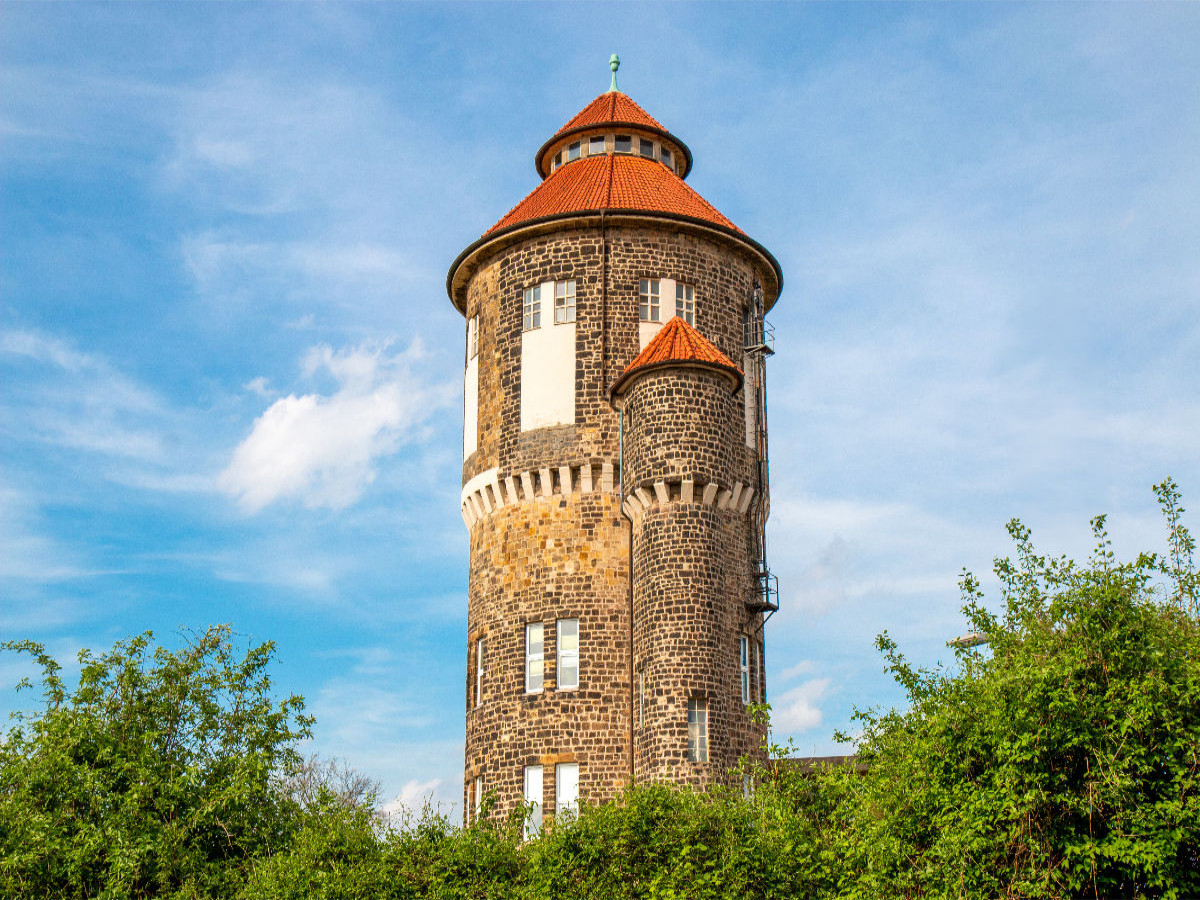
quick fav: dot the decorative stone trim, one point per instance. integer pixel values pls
(661, 493)
(487, 491)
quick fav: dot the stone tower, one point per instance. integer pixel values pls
(614, 473)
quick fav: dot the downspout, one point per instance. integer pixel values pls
(632, 687)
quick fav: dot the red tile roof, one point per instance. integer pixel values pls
(613, 182)
(612, 106)
(678, 342)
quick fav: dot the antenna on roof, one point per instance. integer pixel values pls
(614, 63)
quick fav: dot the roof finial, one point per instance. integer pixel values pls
(614, 63)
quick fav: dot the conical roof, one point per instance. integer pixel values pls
(613, 182)
(611, 107)
(678, 344)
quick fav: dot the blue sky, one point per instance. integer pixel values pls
(230, 379)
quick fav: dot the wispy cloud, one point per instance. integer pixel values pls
(321, 449)
(795, 711)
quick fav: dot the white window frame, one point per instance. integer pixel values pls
(531, 308)
(685, 303)
(563, 656)
(744, 666)
(564, 302)
(472, 337)
(534, 797)
(535, 661)
(566, 789)
(592, 142)
(697, 730)
(479, 650)
(649, 300)
(478, 797)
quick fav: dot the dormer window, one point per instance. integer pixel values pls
(573, 151)
(646, 148)
(665, 156)
(623, 143)
(596, 145)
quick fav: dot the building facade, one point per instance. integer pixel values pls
(614, 474)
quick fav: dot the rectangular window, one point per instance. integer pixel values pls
(478, 796)
(566, 789)
(533, 797)
(642, 700)
(478, 671)
(566, 670)
(623, 143)
(646, 148)
(573, 151)
(596, 145)
(531, 309)
(744, 666)
(697, 730)
(533, 658)
(685, 303)
(472, 337)
(564, 302)
(666, 157)
(557, 159)
(648, 299)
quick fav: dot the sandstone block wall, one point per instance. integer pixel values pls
(558, 551)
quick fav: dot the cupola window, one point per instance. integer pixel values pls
(573, 151)
(646, 148)
(623, 143)
(596, 145)
(648, 300)
(557, 158)
(666, 157)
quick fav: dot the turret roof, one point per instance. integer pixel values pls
(678, 343)
(613, 182)
(612, 107)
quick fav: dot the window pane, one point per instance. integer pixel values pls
(573, 151)
(568, 654)
(698, 730)
(479, 671)
(596, 145)
(478, 795)
(533, 657)
(623, 143)
(685, 303)
(646, 148)
(564, 302)
(533, 795)
(666, 157)
(744, 665)
(566, 788)
(648, 299)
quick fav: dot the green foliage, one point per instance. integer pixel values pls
(1063, 760)
(1059, 759)
(154, 777)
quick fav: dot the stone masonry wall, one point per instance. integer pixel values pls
(567, 555)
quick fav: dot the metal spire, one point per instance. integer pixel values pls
(614, 63)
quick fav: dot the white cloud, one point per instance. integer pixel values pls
(413, 796)
(322, 449)
(795, 711)
(77, 400)
(804, 667)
